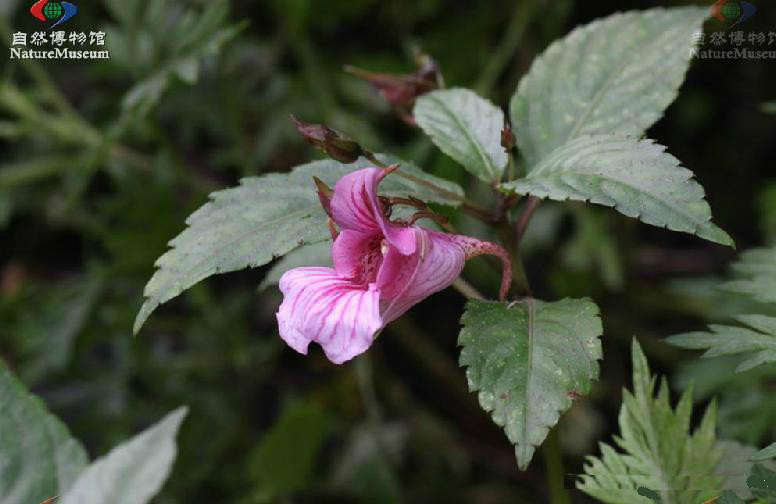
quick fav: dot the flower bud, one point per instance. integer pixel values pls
(507, 138)
(401, 90)
(332, 142)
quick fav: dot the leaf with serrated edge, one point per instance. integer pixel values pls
(527, 360)
(765, 454)
(614, 75)
(266, 217)
(134, 471)
(755, 275)
(636, 177)
(755, 339)
(467, 128)
(38, 457)
(658, 450)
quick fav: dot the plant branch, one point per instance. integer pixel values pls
(531, 204)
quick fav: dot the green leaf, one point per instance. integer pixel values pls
(317, 254)
(134, 471)
(649, 494)
(729, 497)
(527, 359)
(765, 454)
(659, 452)
(735, 465)
(755, 339)
(614, 75)
(762, 483)
(194, 37)
(467, 128)
(266, 217)
(756, 275)
(284, 460)
(38, 457)
(636, 177)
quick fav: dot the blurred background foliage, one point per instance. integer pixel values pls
(101, 162)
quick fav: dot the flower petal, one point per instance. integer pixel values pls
(407, 280)
(341, 316)
(355, 206)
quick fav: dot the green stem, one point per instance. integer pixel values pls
(553, 464)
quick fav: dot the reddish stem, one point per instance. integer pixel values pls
(474, 248)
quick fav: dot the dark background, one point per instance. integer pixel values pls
(101, 162)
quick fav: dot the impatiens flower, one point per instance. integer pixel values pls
(381, 269)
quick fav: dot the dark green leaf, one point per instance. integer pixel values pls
(527, 360)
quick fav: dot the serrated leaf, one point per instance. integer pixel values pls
(636, 177)
(755, 339)
(756, 275)
(38, 457)
(658, 451)
(134, 471)
(266, 217)
(527, 360)
(762, 483)
(467, 128)
(765, 454)
(614, 75)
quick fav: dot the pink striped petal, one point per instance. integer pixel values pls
(355, 206)
(405, 281)
(357, 255)
(341, 316)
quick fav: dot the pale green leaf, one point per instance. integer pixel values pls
(658, 450)
(134, 471)
(38, 457)
(636, 177)
(756, 275)
(264, 218)
(467, 128)
(527, 360)
(614, 75)
(765, 454)
(755, 339)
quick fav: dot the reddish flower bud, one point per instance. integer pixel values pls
(401, 90)
(332, 142)
(507, 138)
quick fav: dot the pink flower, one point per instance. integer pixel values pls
(381, 269)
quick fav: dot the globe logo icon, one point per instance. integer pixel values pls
(731, 10)
(52, 11)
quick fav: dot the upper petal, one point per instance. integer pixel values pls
(355, 206)
(406, 280)
(340, 315)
